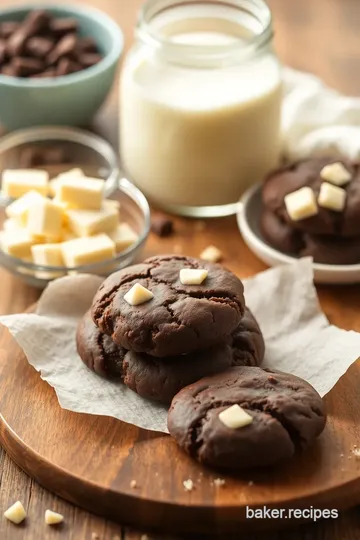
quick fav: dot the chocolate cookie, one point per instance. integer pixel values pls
(290, 178)
(323, 249)
(287, 414)
(180, 318)
(158, 379)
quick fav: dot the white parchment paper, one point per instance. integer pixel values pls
(299, 339)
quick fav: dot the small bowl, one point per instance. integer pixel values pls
(97, 158)
(248, 218)
(71, 99)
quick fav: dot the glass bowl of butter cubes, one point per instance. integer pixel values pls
(64, 206)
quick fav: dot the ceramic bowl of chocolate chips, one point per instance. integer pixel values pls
(57, 64)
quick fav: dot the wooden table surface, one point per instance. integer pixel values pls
(320, 36)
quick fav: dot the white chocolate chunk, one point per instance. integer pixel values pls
(45, 219)
(123, 237)
(89, 222)
(193, 276)
(53, 518)
(188, 484)
(336, 173)
(11, 225)
(87, 250)
(19, 209)
(235, 417)
(211, 254)
(332, 197)
(17, 243)
(83, 192)
(138, 295)
(16, 513)
(17, 182)
(55, 182)
(301, 204)
(47, 255)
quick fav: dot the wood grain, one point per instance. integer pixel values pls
(321, 37)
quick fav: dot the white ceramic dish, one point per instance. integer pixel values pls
(248, 220)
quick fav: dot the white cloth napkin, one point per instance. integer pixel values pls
(317, 120)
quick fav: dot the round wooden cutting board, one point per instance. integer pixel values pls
(92, 461)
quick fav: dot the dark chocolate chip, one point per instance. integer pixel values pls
(67, 66)
(8, 28)
(89, 59)
(36, 22)
(27, 66)
(10, 70)
(2, 51)
(39, 46)
(162, 226)
(61, 27)
(16, 43)
(35, 156)
(87, 44)
(65, 47)
(47, 73)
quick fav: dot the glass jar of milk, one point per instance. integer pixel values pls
(200, 104)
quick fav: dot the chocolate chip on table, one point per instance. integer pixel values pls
(65, 47)
(27, 66)
(60, 27)
(89, 59)
(67, 66)
(39, 46)
(162, 226)
(7, 28)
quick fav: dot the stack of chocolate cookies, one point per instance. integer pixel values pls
(178, 334)
(312, 208)
(176, 329)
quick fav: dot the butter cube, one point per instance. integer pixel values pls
(301, 204)
(53, 518)
(123, 237)
(235, 417)
(84, 192)
(336, 173)
(193, 276)
(19, 209)
(55, 182)
(138, 295)
(45, 219)
(89, 222)
(16, 513)
(17, 243)
(211, 254)
(87, 250)
(332, 197)
(17, 182)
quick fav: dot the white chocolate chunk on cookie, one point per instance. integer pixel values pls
(332, 197)
(235, 417)
(336, 173)
(301, 204)
(138, 295)
(193, 276)
(53, 518)
(16, 513)
(211, 254)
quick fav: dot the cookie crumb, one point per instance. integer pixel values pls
(356, 453)
(200, 226)
(251, 483)
(188, 485)
(341, 455)
(116, 537)
(355, 445)
(218, 482)
(95, 536)
(177, 249)
(133, 484)
(144, 537)
(211, 254)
